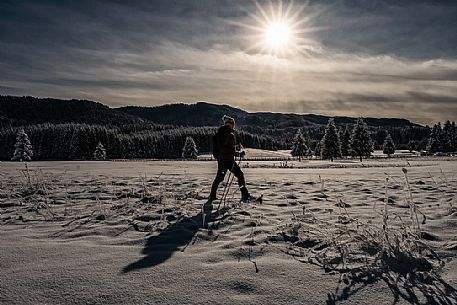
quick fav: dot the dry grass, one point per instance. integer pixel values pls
(391, 248)
(363, 252)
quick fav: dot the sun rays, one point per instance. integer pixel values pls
(277, 35)
(279, 29)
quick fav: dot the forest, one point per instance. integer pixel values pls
(78, 141)
(71, 129)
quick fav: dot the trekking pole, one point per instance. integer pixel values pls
(230, 183)
(228, 187)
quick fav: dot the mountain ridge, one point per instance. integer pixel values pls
(162, 114)
(28, 110)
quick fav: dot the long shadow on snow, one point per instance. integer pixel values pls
(161, 247)
(416, 291)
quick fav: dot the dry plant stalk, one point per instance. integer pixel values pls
(351, 244)
(412, 206)
(386, 215)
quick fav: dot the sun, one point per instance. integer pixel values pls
(279, 30)
(277, 35)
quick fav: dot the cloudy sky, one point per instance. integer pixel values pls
(347, 57)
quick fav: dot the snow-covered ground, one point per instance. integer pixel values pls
(132, 233)
(260, 153)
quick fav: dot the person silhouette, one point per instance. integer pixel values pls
(225, 151)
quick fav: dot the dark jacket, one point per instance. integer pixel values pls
(226, 144)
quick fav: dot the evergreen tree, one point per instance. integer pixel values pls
(317, 149)
(435, 142)
(23, 149)
(388, 147)
(100, 152)
(361, 143)
(307, 138)
(345, 138)
(73, 150)
(190, 149)
(299, 148)
(330, 143)
(440, 137)
(453, 137)
(448, 137)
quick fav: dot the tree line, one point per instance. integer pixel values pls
(19, 111)
(80, 141)
(357, 141)
(403, 136)
(443, 139)
(86, 142)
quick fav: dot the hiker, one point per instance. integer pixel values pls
(224, 150)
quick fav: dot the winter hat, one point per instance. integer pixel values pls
(228, 119)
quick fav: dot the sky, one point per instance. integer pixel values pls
(343, 57)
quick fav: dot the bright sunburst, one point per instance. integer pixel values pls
(277, 35)
(278, 29)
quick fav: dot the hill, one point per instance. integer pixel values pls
(27, 110)
(206, 114)
(264, 129)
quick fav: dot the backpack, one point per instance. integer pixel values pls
(216, 148)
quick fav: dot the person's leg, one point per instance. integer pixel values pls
(221, 170)
(238, 173)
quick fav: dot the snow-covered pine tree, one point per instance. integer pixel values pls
(454, 136)
(388, 147)
(23, 149)
(100, 152)
(330, 143)
(299, 147)
(73, 150)
(440, 136)
(434, 143)
(189, 150)
(317, 149)
(361, 143)
(345, 138)
(448, 137)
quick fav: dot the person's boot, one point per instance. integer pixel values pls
(245, 196)
(208, 206)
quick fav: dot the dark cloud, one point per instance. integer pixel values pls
(413, 98)
(381, 57)
(409, 28)
(444, 74)
(434, 99)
